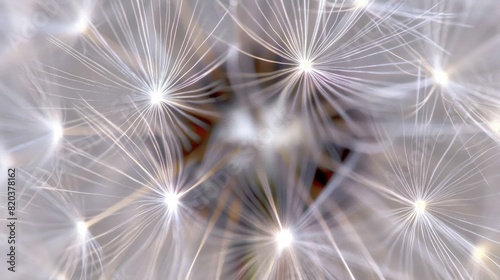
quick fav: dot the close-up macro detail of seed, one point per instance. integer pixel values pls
(249, 139)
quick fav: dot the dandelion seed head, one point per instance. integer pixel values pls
(441, 77)
(284, 239)
(171, 199)
(317, 60)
